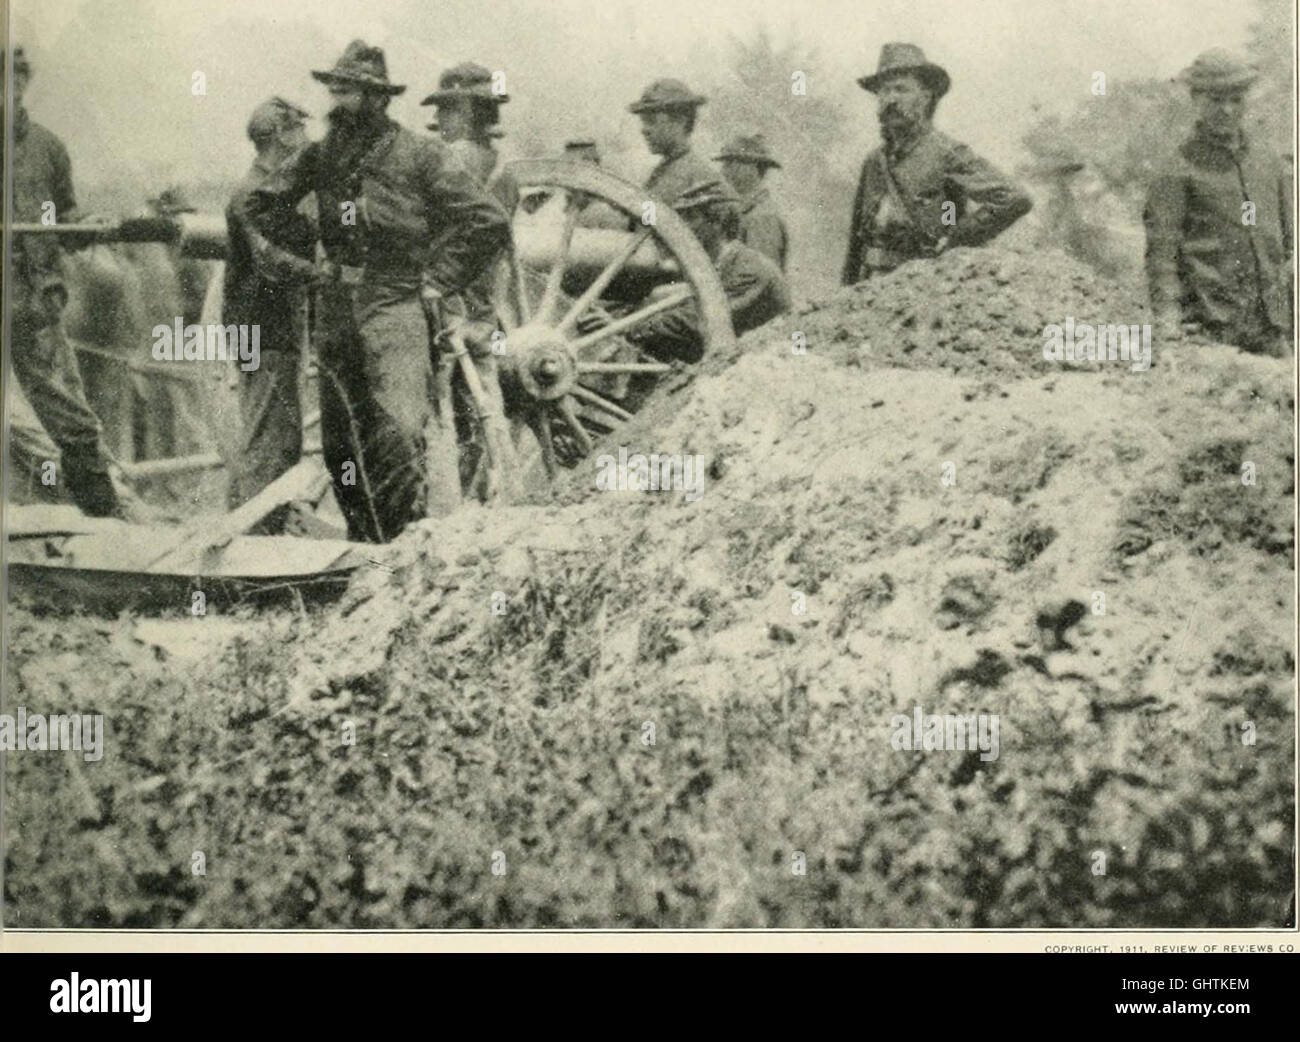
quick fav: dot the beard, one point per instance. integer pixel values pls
(347, 123)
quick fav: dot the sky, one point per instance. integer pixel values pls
(114, 77)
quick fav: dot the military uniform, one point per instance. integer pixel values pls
(1205, 263)
(43, 360)
(931, 170)
(676, 173)
(762, 228)
(756, 293)
(378, 410)
(267, 271)
(901, 209)
(761, 224)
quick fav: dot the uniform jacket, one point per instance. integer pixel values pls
(484, 163)
(756, 293)
(931, 170)
(267, 266)
(675, 174)
(42, 172)
(394, 203)
(762, 228)
(1204, 263)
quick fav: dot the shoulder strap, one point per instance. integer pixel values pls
(896, 196)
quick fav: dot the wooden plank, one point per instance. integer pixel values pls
(304, 480)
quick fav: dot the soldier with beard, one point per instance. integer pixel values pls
(921, 192)
(385, 194)
(42, 358)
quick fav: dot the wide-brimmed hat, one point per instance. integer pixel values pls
(172, 199)
(666, 95)
(273, 115)
(748, 148)
(897, 58)
(1219, 70)
(363, 65)
(467, 80)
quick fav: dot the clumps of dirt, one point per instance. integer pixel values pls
(970, 311)
(661, 710)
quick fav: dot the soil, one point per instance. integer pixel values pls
(680, 708)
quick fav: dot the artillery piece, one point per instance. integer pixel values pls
(557, 360)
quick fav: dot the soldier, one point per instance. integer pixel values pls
(668, 109)
(267, 271)
(1219, 221)
(745, 162)
(468, 113)
(42, 358)
(916, 192)
(384, 195)
(756, 290)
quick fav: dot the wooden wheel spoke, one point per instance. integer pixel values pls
(636, 318)
(600, 401)
(592, 293)
(580, 435)
(593, 368)
(555, 277)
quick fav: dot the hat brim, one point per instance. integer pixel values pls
(1224, 85)
(748, 157)
(933, 76)
(326, 77)
(439, 97)
(640, 108)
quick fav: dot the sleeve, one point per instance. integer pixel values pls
(853, 260)
(1163, 217)
(763, 232)
(469, 228)
(292, 183)
(61, 191)
(272, 264)
(999, 201)
(674, 333)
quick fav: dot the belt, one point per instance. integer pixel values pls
(354, 275)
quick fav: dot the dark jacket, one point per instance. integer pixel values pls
(394, 203)
(931, 171)
(267, 266)
(1204, 262)
(42, 172)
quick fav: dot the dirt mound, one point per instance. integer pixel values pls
(683, 708)
(969, 311)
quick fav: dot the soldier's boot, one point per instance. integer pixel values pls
(89, 485)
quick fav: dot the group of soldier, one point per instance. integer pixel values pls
(409, 228)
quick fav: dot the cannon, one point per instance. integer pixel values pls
(567, 294)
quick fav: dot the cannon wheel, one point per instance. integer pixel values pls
(551, 368)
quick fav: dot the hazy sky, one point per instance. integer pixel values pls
(113, 77)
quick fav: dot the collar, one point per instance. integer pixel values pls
(672, 157)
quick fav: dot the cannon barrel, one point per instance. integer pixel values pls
(201, 236)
